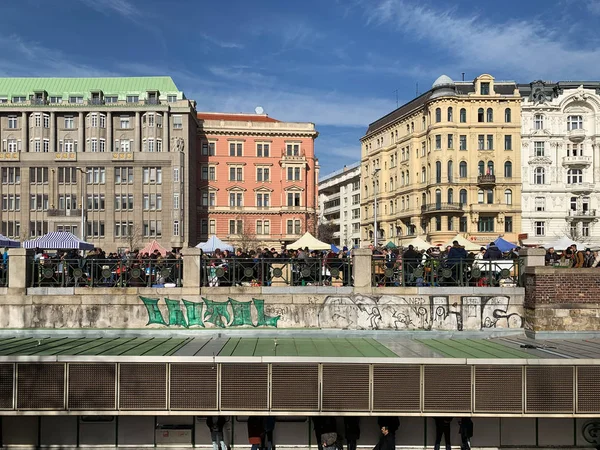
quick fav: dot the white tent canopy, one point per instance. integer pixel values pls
(308, 240)
(416, 242)
(462, 241)
(212, 244)
(58, 240)
(564, 242)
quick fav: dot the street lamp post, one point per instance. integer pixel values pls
(375, 207)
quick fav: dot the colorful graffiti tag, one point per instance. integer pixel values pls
(231, 313)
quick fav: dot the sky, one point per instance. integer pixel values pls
(340, 64)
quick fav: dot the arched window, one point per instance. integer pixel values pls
(480, 196)
(450, 196)
(463, 115)
(462, 197)
(450, 171)
(423, 175)
(407, 177)
(481, 168)
(574, 176)
(438, 114)
(507, 169)
(450, 114)
(407, 128)
(490, 168)
(462, 169)
(438, 172)
(507, 115)
(508, 197)
(423, 199)
(412, 127)
(539, 176)
(438, 198)
(480, 115)
(391, 184)
(402, 182)
(490, 115)
(403, 206)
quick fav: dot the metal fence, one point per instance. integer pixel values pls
(275, 271)
(3, 273)
(434, 272)
(82, 272)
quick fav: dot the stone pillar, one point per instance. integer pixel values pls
(109, 132)
(52, 132)
(166, 133)
(81, 133)
(362, 267)
(191, 267)
(138, 133)
(24, 130)
(17, 268)
(533, 257)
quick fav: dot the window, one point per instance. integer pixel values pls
(152, 175)
(294, 226)
(236, 227)
(462, 197)
(124, 122)
(462, 225)
(262, 174)
(93, 145)
(574, 123)
(67, 201)
(96, 175)
(485, 88)
(133, 99)
(539, 148)
(76, 99)
(212, 173)
(540, 203)
(462, 142)
(438, 223)
(539, 175)
(123, 175)
(67, 175)
(37, 146)
(293, 149)
(450, 223)
(507, 169)
(438, 172)
(208, 148)
(177, 122)
(293, 199)
(152, 228)
(423, 175)
(293, 173)
(262, 200)
(235, 173)
(481, 142)
(462, 169)
(11, 202)
(508, 142)
(176, 174)
(235, 149)
(37, 120)
(490, 142)
(95, 202)
(507, 115)
(508, 224)
(235, 199)
(94, 120)
(574, 149)
(508, 197)
(102, 121)
(490, 168)
(38, 175)
(56, 100)
(263, 150)
(538, 122)
(463, 115)
(489, 116)
(12, 122)
(148, 119)
(450, 171)
(355, 199)
(122, 229)
(38, 202)
(450, 195)
(574, 176)
(480, 115)
(485, 224)
(438, 115)
(152, 202)
(212, 227)
(18, 99)
(450, 114)
(450, 141)
(438, 141)
(539, 228)
(38, 228)
(124, 202)
(176, 228)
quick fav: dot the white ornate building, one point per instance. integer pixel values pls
(561, 162)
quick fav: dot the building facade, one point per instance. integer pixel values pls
(446, 162)
(561, 167)
(122, 145)
(339, 204)
(257, 179)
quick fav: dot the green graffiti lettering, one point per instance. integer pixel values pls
(242, 314)
(154, 314)
(194, 313)
(176, 316)
(217, 313)
(262, 319)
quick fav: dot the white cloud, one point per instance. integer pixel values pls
(593, 6)
(524, 47)
(220, 43)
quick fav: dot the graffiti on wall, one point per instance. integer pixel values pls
(231, 313)
(367, 312)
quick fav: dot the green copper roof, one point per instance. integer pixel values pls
(65, 86)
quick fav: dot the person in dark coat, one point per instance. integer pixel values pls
(255, 431)
(457, 256)
(492, 252)
(386, 441)
(392, 423)
(323, 425)
(269, 428)
(215, 424)
(352, 431)
(466, 433)
(442, 428)
(410, 261)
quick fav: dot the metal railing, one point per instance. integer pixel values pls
(431, 207)
(3, 273)
(81, 272)
(275, 271)
(436, 272)
(486, 179)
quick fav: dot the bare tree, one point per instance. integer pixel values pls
(573, 233)
(246, 240)
(134, 237)
(325, 232)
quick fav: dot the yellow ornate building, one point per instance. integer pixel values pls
(445, 163)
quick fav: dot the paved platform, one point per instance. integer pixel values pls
(389, 346)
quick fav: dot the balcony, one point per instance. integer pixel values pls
(95, 101)
(576, 161)
(580, 188)
(577, 135)
(301, 156)
(151, 101)
(486, 180)
(439, 207)
(38, 101)
(64, 213)
(582, 214)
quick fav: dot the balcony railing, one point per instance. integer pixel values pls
(95, 101)
(434, 207)
(486, 179)
(576, 135)
(151, 101)
(591, 213)
(580, 187)
(38, 101)
(577, 161)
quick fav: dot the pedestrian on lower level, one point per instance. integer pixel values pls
(386, 441)
(255, 432)
(215, 424)
(323, 425)
(442, 428)
(269, 427)
(466, 433)
(352, 431)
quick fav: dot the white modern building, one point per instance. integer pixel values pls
(339, 204)
(560, 159)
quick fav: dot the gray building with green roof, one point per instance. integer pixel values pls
(109, 155)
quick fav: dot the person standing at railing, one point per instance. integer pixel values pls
(410, 261)
(492, 252)
(457, 256)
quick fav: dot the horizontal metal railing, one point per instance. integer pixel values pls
(439, 272)
(80, 272)
(275, 271)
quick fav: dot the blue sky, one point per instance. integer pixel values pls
(337, 63)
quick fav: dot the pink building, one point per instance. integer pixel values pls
(257, 178)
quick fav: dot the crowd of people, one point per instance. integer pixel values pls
(571, 257)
